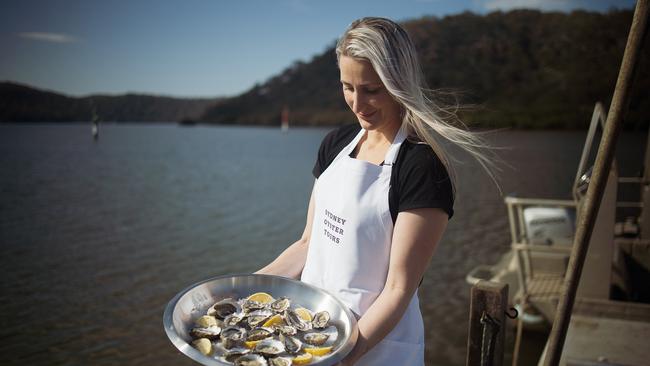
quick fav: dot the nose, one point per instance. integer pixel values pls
(359, 100)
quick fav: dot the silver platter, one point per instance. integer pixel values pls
(193, 302)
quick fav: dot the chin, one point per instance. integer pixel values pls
(366, 125)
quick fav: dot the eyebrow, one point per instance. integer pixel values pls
(364, 84)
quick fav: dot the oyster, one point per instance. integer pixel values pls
(224, 308)
(259, 334)
(257, 317)
(280, 361)
(252, 305)
(206, 321)
(293, 319)
(233, 336)
(316, 339)
(233, 319)
(286, 330)
(291, 344)
(321, 319)
(209, 332)
(269, 347)
(236, 352)
(251, 359)
(203, 345)
(280, 304)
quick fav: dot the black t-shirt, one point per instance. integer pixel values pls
(418, 177)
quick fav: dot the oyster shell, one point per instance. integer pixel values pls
(259, 334)
(233, 319)
(291, 344)
(203, 345)
(209, 332)
(233, 336)
(292, 318)
(316, 339)
(236, 352)
(321, 319)
(224, 308)
(251, 359)
(251, 305)
(269, 347)
(280, 361)
(286, 330)
(256, 317)
(280, 304)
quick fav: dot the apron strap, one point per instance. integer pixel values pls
(391, 156)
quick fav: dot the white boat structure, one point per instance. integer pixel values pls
(284, 120)
(603, 306)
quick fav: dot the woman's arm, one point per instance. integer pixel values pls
(292, 260)
(415, 237)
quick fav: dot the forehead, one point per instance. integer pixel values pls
(357, 71)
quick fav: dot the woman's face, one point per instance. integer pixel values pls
(367, 97)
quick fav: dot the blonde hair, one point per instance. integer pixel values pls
(387, 46)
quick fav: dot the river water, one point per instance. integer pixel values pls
(97, 236)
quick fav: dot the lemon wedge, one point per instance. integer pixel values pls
(302, 359)
(274, 320)
(251, 344)
(262, 297)
(318, 351)
(304, 314)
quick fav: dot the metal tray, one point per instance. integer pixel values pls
(193, 302)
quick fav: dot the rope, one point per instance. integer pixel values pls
(490, 330)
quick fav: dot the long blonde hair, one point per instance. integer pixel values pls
(387, 46)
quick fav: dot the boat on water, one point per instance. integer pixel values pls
(579, 269)
(610, 323)
(284, 120)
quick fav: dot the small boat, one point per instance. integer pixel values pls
(284, 120)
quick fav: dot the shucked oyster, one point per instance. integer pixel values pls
(259, 334)
(233, 336)
(251, 359)
(286, 330)
(291, 344)
(224, 308)
(252, 305)
(269, 347)
(316, 339)
(293, 319)
(236, 352)
(321, 319)
(280, 361)
(257, 317)
(209, 332)
(233, 319)
(280, 304)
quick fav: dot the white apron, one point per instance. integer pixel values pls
(350, 243)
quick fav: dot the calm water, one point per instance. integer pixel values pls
(97, 237)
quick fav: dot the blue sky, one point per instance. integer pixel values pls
(192, 48)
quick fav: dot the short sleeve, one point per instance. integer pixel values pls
(423, 181)
(332, 145)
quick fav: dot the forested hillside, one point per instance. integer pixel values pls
(524, 69)
(21, 103)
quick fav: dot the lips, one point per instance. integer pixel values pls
(366, 115)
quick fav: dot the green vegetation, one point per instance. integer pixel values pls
(521, 69)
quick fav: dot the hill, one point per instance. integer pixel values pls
(524, 69)
(21, 103)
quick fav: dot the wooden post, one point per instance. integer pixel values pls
(597, 184)
(490, 298)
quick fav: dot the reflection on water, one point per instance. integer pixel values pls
(97, 237)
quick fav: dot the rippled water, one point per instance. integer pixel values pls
(97, 237)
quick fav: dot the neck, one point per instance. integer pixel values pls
(383, 136)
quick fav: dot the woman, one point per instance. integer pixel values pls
(382, 196)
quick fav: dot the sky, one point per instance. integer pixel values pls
(196, 48)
